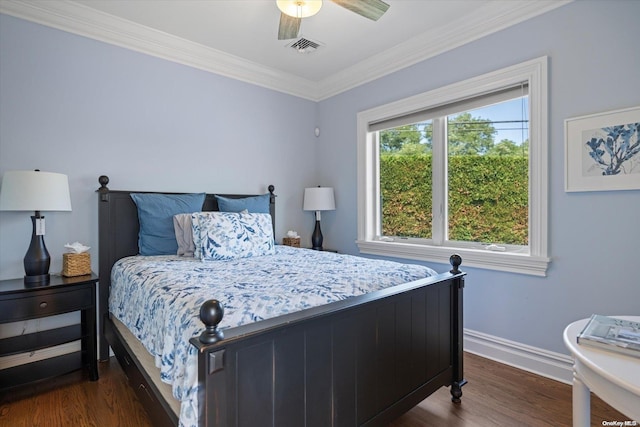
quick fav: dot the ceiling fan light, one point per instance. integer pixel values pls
(299, 8)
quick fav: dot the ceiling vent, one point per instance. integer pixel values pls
(304, 45)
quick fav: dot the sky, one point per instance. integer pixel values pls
(508, 110)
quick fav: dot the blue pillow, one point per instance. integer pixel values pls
(254, 204)
(155, 213)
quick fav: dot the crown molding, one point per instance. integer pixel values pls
(493, 17)
(84, 21)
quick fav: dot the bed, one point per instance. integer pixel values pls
(357, 361)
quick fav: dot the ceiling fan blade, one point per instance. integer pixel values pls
(372, 9)
(289, 27)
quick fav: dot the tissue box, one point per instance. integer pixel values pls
(291, 241)
(76, 264)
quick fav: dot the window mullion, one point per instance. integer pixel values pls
(377, 202)
(439, 178)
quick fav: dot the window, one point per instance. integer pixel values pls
(459, 169)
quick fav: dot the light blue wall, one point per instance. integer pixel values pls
(84, 108)
(594, 66)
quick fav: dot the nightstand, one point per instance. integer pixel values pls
(19, 302)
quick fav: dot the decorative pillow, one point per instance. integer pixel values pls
(229, 235)
(155, 214)
(183, 226)
(254, 204)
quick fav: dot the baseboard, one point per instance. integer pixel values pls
(556, 366)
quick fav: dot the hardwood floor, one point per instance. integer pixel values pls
(496, 395)
(499, 395)
(73, 400)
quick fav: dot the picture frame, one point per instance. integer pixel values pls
(602, 151)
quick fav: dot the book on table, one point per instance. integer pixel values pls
(612, 333)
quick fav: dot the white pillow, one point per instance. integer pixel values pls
(230, 235)
(183, 227)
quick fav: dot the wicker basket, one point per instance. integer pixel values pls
(76, 264)
(291, 241)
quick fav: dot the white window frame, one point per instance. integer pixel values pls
(535, 261)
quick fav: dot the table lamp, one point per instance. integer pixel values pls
(35, 191)
(318, 199)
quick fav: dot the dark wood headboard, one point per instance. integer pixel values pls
(118, 237)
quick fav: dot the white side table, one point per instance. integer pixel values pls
(614, 377)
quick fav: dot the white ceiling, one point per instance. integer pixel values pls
(238, 38)
(249, 28)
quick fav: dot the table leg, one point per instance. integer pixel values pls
(89, 350)
(581, 403)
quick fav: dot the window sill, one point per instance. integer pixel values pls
(501, 261)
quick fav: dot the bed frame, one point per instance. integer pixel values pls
(363, 361)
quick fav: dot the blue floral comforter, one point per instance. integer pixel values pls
(159, 297)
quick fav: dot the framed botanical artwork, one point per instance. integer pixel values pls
(602, 151)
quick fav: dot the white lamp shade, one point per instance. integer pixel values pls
(34, 191)
(319, 199)
(299, 8)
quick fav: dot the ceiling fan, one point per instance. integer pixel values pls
(294, 10)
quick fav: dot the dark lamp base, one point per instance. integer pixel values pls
(37, 259)
(40, 278)
(316, 237)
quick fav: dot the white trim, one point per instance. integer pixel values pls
(536, 261)
(85, 21)
(556, 366)
(538, 158)
(500, 261)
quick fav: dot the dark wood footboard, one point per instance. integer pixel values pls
(359, 362)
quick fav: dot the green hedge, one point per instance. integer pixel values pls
(488, 197)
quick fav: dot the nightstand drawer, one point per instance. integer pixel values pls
(44, 304)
